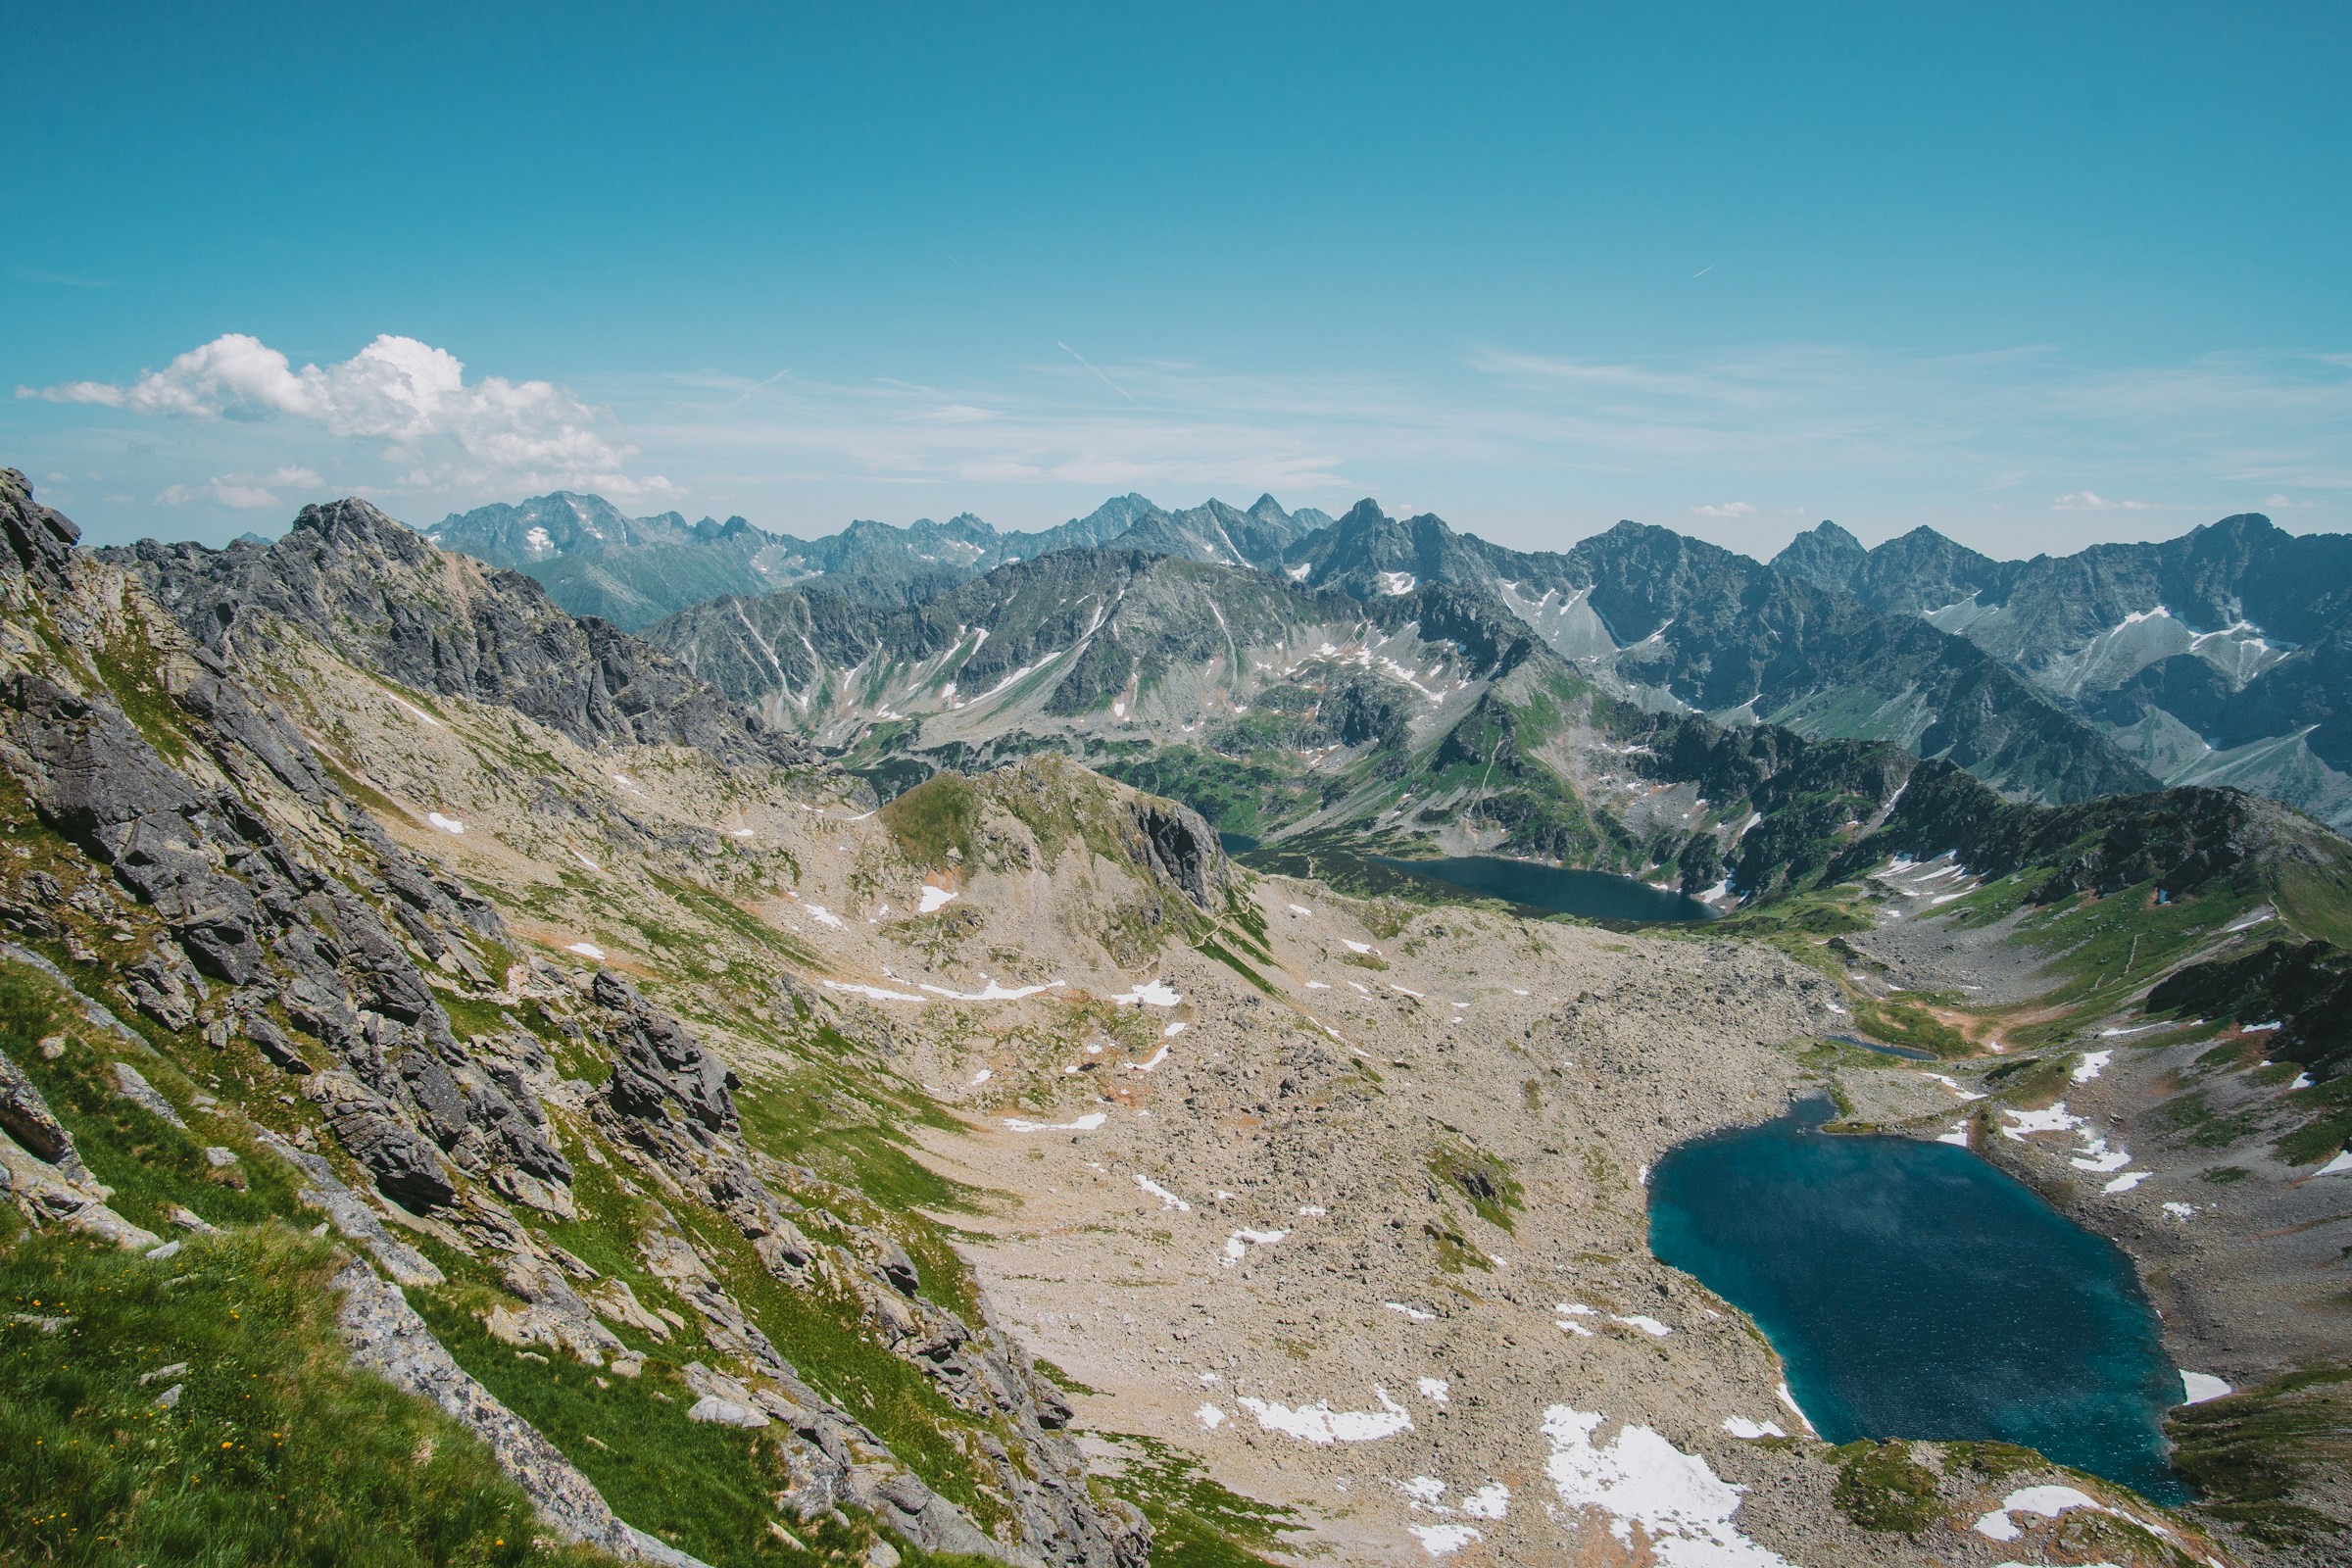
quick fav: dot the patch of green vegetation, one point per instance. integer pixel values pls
(1994, 1459)
(1195, 1522)
(2225, 1175)
(1060, 1379)
(2329, 1130)
(274, 1450)
(1233, 960)
(2203, 1126)
(1881, 1487)
(1903, 1023)
(938, 815)
(706, 1488)
(133, 671)
(1454, 1251)
(2109, 949)
(1251, 797)
(2029, 1077)
(2247, 1454)
(1485, 1179)
(151, 1164)
(728, 915)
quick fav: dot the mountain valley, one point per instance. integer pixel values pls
(796, 1077)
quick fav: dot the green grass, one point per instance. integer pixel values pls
(1234, 961)
(276, 1451)
(149, 1164)
(939, 814)
(1881, 1488)
(1195, 1522)
(1899, 1023)
(1485, 1179)
(2247, 1455)
(708, 1490)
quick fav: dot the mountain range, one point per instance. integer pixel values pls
(2214, 657)
(633, 571)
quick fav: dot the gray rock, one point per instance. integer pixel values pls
(725, 1412)
(381, 596)
(353, 1218)
(133, 1086)
(25, 1117)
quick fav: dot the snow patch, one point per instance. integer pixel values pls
(1489, 1502)
(1434, 1390)
(1413, 1312)
(1640, 1479)
(447, 824)
(1210, 1416)
(2198, 1387)
(870, 992)
(1151, 994)
(1442, 1540)
(992, 992)
(587, 950)
(1319, 1423)
(825, 916)
(933, 901)
(1084, 1124)
(2047, 1501)
(2127, 1181)
(2094, 1064)
(2340, 1165)
(1740, 1427)
(1168, 1200)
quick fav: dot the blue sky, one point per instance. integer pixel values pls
(2037, 275)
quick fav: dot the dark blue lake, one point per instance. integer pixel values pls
(1596, 894)
(1914, 1291)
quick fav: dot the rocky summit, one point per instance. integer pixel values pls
(936, 1049)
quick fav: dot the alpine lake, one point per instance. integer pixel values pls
(1914, 1290)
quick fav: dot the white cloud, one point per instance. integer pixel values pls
(2092, 501)
(247, 492)
(1736, 509)
(409, 395)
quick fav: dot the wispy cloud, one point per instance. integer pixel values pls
(245, 492)
(2092, 501)
(1732, 509)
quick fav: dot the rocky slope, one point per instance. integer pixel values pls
(351, 578)
(180, 846)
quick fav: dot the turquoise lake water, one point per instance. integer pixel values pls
(1916, 1291)
(1596, 894)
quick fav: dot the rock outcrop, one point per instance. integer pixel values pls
(381, 596)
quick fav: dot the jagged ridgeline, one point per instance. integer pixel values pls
(1381, 689)
(615, 1298)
